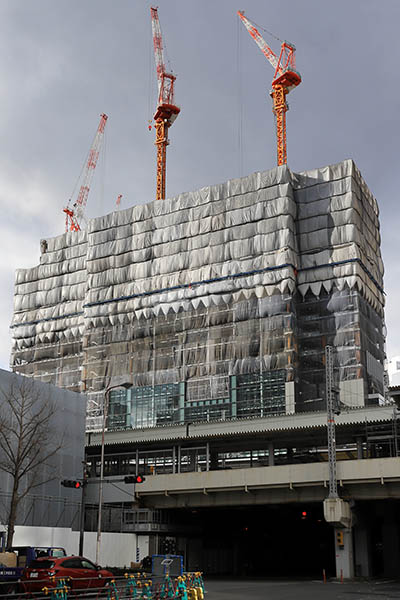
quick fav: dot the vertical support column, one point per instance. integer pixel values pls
(207, 456)
(279, 109)
(333, 493)
(179, 459)
(289, 398)
(174, 459)
(161, 128)
(271, 458)
(128, 405)
(344, 553)
(390, 541)
(362, 549)
(359, 448)
(181, 409)
(137, 462)
(233, 397)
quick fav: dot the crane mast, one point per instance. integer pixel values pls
(75, 212)
(166, 111)
(285, 79)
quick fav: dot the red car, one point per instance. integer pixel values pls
(79, 572)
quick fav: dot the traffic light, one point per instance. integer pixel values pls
(72, 484)
(134, 479)
(340, 539)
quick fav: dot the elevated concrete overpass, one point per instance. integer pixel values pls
(367, 479)
(229, 477)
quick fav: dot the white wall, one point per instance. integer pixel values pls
(120, 547)
(47, 536)
(116, 549)
(393, 371)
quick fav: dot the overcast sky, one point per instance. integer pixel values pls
(63, 62)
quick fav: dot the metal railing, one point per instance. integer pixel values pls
(189, 586)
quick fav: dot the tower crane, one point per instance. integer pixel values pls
(166, 111)
(285, 79)
(75, 212)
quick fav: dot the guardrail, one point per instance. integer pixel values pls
(189, 586)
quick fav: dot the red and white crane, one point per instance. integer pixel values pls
(285, 79)
(166, 111)
(75, 211)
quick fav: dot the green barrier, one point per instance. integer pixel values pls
(131, 587)
(187, 587)
(147, 591)
(180, 590)
(112, 591)
(60, 592)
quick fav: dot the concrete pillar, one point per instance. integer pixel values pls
(359, 448)
(390, 542)
(362, 550)
(343, 539)
(271, 460)
(174, 459)
(290, 404)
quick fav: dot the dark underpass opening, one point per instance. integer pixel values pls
(285, 540)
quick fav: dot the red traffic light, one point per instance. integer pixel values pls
(134, 479)
(71, 483)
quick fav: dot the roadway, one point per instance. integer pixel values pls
(291, 589)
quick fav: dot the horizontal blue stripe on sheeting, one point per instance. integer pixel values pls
(203, 282)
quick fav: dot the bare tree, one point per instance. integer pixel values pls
(27, 442)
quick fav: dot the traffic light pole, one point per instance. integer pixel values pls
(103, 429)
(82, 521)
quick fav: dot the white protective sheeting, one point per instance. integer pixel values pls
(261, 236)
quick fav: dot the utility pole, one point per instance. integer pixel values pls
(330, 413)
(106, 403)
(336, 510)
(82, 512)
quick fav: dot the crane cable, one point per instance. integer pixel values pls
(103, 165)
(266, 30)
(240, 101)
(150, 84)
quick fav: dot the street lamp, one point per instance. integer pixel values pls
(105, 415)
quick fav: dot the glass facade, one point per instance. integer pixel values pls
(250, 395)
(146, 406)
(261, 394)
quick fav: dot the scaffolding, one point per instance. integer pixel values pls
(215, 304)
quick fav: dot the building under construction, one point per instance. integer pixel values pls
(216, 304)
(216, 307)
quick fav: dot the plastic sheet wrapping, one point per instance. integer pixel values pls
(237, 280)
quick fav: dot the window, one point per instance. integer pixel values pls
(41, 564)
(71, 563)
(154, 405)
(86, 564)
(119, 409)
(261, 394)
